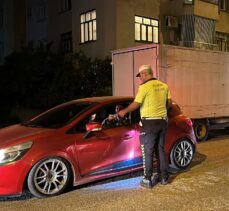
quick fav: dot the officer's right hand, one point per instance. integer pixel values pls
(121, 113)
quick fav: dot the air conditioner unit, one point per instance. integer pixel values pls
(171, 22)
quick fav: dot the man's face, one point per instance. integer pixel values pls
(117, 108)
(144, 75)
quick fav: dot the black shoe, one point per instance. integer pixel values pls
(146, 183)
(155, 179)
(164, 181)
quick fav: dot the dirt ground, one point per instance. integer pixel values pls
(204, 186)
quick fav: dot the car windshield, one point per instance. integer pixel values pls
(59, 116)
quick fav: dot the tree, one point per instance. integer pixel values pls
(42, 79)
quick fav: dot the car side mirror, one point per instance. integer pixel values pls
(92, 127)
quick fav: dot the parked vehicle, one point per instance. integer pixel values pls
(198, 80)
(71, 145)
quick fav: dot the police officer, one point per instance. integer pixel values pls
(154, 99)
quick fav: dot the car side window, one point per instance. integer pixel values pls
(135, 116)
(107, 116)
(112, 119)
(80, 127)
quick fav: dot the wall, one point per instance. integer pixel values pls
(206, 10)
(105, 21)
(20, 24)
(36, 30)
(223, 24)
(58, 23)
(126, 10)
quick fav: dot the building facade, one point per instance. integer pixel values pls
(98, 27)
(102, 26)
(12, 26)
(196, 23)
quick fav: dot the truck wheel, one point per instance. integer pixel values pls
(201, 128)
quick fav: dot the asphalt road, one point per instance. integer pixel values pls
(204, 186)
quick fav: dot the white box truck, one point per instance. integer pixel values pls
(198, 80)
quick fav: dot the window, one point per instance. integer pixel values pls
(29, 12)
(103, 117)
(188, 1)
(88, 27)
(1, 51)
(59, 116)
(65, 5)
(1, 18)
(212, 1)
(146, 30)
(222, 40)
(42, 43)
(66, 42)
(224, 5)
(41, 13)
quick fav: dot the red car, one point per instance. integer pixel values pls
(75, 143)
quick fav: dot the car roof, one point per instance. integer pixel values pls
(103, 99)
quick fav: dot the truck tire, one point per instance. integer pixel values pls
(201, 129)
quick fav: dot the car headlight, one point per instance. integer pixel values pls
(14, 153)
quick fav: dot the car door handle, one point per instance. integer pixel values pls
(127, 137)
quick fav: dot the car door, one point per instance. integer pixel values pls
(109, 150)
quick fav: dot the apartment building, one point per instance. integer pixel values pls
(12, 26)
(98, 27)
(49, 23)
(196, 23)
(102, 26)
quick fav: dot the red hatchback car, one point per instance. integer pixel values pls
(75, 143)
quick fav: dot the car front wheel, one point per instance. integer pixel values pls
(49, 177)
(182, 154)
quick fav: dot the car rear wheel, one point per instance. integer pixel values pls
(182, 154)
(49, 177)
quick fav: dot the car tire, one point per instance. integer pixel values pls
(49, 177)
(182, 154)
(201, 129)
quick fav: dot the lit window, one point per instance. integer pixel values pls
(188, 1)
(150, 34)
(88, 27)
(146, 29)
(212, 1)
(155, 35)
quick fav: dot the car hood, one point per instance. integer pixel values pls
(17, 133)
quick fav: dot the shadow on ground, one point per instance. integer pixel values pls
(198, 158)
(214, 135)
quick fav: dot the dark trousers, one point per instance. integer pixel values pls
(152, 137)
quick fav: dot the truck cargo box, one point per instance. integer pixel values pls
(198, 80)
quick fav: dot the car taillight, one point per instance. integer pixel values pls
(189, 122)
(184, 123)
